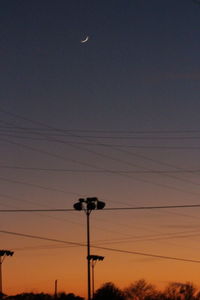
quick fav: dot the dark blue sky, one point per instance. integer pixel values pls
(139, 70)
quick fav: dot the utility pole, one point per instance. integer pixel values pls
(3, 254)
(56, 286)
(1, 288)
(88, 253)
(94, 259)
(88, 205)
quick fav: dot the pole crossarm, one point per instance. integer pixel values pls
(96, 257)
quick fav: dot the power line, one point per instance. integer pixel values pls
(99, 171)
(114, 159)
(94, 152)
(106, 145)
(96, 130)
(134, 239)
(42, 247)
(37, 186)
(93, 143)
(36, 210)
(56, 140)
(105, 209)
(98, 168)
(65, 132)
(99, 154)
(102, 155)
(154, 207)
(102, 248)
(67, 210)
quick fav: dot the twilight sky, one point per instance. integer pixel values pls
(116, 118)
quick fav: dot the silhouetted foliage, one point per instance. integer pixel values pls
(32, 296)
(138, 290)
(141, 290)
(180, 291)
(108, 291)
(71, 296)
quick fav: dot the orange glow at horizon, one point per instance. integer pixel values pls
(37, 264)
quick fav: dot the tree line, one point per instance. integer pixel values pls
(138, 290)
(142, 290)
(42, 296)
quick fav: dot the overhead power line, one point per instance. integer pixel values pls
(154, 207)
(102, 155)
(116, 131)
(22, 168)
(133, 239)
(48, 188)
(39, 136)
(95, 167)
(105, 209)
(102, 248)
(115, 134)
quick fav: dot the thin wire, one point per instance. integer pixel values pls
(67, 132)
(119, 160)
(146, 181)
(103, 155)
(154, 207)
(151, 238)
(35, 210)
(100, 171)
(102, 248)
(96, 167)
(115, 159)
(106, 131)
(37, 186)
(49, 139)
(105, 209)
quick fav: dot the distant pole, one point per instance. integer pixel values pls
(56, 285)
(1, 288)
(3, 254)
(94, 259)
(88, 253)
(93, 279)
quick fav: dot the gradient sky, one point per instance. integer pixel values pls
(99, 119)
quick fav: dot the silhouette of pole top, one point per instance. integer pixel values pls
(89, 204)
(6, 252)
(96, 257)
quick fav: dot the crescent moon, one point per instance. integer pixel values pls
(85, 40)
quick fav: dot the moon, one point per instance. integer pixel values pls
(85, 40)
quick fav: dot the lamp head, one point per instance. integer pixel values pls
(78, 206)
(100, 204)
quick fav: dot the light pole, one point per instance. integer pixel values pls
(94, 259)
(3, 254)
(88, 205)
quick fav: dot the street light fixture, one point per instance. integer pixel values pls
(94, 259)
(88, 205)
(3, 254)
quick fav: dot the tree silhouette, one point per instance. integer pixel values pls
(141, 290)
(180, 291)
(70, 296)
(30, 296)
(42, 296)
(108, 291)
